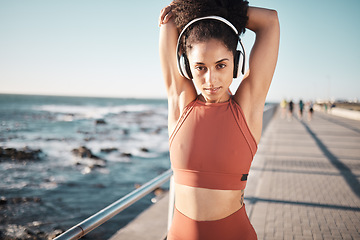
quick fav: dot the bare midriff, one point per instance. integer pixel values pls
(202, 204)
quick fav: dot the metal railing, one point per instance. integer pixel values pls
(110, 211)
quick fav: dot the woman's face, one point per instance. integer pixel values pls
(212, 66)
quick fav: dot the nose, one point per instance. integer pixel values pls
(209, 77)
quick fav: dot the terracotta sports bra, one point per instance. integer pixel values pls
(212, 146)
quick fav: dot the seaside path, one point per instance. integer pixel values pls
(308, 176)
(303, 184)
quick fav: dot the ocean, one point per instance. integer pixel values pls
(85, 153)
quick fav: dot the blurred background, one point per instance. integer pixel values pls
(110, 48)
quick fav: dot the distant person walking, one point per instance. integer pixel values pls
(283, 104)
(301, 108)
(291, 109)
(311, 111)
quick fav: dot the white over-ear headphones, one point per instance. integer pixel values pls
(183, 62)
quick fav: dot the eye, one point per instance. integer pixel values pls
(221, 65)
(200, 68)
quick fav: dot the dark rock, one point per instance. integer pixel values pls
(30, 232)
(144, 149)
(3, 201)
(88, 159)
(144, 129)
(100, 121)
(97, 164)
(18, 232)
(88, 139)
(25, 154)
(108, 150)
(18, 200)
(84, 152)
(126, 155)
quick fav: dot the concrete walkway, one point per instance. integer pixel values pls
(303, 184)
(308, 179)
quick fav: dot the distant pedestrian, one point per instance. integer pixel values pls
(283, 104)
(301, 108)
(291, 109)
(325, 107)
(311, 111)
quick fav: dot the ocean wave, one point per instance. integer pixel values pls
(71, 112)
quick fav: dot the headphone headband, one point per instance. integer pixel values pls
(180, 59)
(221, 19)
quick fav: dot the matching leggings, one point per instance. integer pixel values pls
(234, 227)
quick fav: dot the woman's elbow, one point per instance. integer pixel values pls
(274, 18)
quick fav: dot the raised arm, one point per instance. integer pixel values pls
(251, 94)
(180, 90)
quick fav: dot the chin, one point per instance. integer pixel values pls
(217, 97)
(213, 98)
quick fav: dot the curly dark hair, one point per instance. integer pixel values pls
(234, 11)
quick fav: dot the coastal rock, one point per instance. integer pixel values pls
(84, 152)
(100, 122)
(108, 150)
(144, 149)
(91, 164)
(3, 201)
(25, 154)
(13, 231)
(18, 200)
(126, 155)
(88, 159)
(126, 131)
(88, 139)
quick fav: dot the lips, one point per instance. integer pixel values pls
(212, 90)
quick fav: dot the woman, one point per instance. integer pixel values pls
(214, 134)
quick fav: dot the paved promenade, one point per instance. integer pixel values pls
(304, 182)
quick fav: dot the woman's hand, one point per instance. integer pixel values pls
(165, 14)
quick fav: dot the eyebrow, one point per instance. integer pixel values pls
(224, 59)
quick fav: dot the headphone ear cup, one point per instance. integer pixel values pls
(236, 64)
(239, 64)
(185, 67)
(182, 65)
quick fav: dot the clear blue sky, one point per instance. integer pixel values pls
(110, 48)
